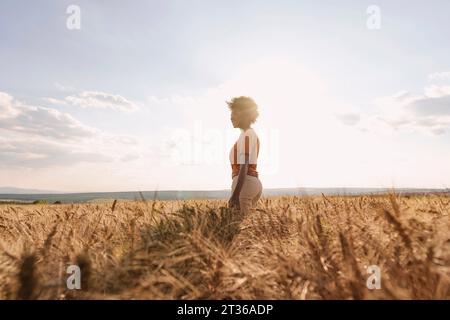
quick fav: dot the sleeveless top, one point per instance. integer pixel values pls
(246, 147)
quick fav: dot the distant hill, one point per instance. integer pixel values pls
(195, 194)
(14, 190)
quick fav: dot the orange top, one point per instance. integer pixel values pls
(248, 153)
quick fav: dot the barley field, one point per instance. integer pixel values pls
(291, 247)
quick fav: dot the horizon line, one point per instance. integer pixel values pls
(46, 192)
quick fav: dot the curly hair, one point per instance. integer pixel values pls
(246, 109)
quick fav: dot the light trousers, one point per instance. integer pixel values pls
(250, 193)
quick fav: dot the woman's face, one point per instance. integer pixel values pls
(234, 119)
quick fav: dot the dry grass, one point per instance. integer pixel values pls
(290, 248)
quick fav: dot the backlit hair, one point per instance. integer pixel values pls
(246, 109)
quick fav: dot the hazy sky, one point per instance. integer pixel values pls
(135, 98)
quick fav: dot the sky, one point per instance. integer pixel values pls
(116, 96)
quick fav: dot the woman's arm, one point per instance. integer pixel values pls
(243, 168)
(241, 178)
(234, 200)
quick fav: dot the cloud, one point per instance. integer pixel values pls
(62, 87)
(428, 112)
(37, 153)
(349, 119)
(101, 100)
(439, 76)
(431, 106)
(6, 108)
(35, 137)
(41, 121)
(54, 101)
(434, 91)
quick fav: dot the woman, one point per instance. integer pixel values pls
(246, 187)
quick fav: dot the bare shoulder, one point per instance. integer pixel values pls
(252, 133)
